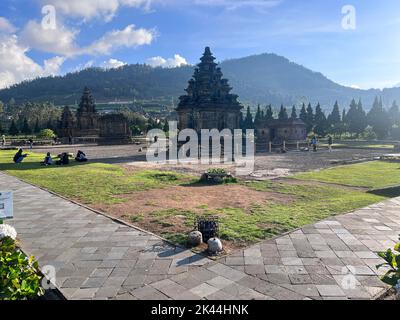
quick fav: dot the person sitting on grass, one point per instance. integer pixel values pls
(81, 157)
(64, 159)
(19, 157)
(48, 161)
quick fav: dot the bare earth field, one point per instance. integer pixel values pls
(266, 165)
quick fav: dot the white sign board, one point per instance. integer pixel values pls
(6, 205)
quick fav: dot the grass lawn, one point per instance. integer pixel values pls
(89, 183)
(372, 175)
(112, 185)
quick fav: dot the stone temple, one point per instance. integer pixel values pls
(89, 126)
(208, 103)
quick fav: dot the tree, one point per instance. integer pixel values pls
(303, 113)
(248, 121)
(283, 115)
(378, 119)
(334, 120)
(394, 114)
(258, 118)
(320, 121)
(310, 118)
(13, 130)
(269, 114)
(36, 129)
(293, 115)
(46, 134)
(26, 129)
(355, 118)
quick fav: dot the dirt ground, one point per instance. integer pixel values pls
(267, 165)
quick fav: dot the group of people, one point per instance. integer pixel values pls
(63, 158)
(314, 143)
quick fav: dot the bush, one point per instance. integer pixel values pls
(392, 277)
(369, 134)
(46, 134)
(19, 275)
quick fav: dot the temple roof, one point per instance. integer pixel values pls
(87, 104)
(208, 88)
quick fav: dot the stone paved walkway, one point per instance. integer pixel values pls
(98, 258)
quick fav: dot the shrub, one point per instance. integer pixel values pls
(392, 258)
(19, 275)
(369, 134)
(46, 134)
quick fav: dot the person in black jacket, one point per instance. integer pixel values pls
(19, 157)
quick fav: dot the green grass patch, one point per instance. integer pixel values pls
(90, 182)
(373, 175)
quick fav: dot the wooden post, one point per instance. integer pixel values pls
(270, 147)
(284, 145)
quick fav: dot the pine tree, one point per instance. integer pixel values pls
(269, 114)
(283, 115)
(293, 115)
(13, 130)
(310, 118)
(258, 118)
(37, 127)
(26, 129)
(248, 121)
(355, 118)
(334, 120)
(378, 119)
(303, 113)
(320, 121)
(394, 114)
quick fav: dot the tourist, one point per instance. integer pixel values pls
(314, 143)
(19, 157)
(330, 142)
(81, 157)
(48, 161)
(3, 140)
(64, 159)
(30, 143)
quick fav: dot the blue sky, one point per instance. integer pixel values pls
(109, 33)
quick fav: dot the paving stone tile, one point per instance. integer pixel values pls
(330, 291)
(204, 290)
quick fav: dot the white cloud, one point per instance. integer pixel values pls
(63, 40)
(16, 66)
(59, 41)
(91, 9)
(6, 26)
(176, 61)
(113, 64)
(128, 38)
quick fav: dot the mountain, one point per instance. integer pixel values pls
(258, 79)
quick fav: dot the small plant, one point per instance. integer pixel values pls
(217, 171)
(392, 258)
(19, 275)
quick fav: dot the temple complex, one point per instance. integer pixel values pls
(89, 126)
(208, 103)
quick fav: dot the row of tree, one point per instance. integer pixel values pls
(376, 123)
(28, 118)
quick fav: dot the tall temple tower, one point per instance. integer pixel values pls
(87, 117)
(208, 103)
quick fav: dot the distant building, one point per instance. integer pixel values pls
(278, 131)
(88, 126)
(208, 103)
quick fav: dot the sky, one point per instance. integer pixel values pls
(353, 42)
